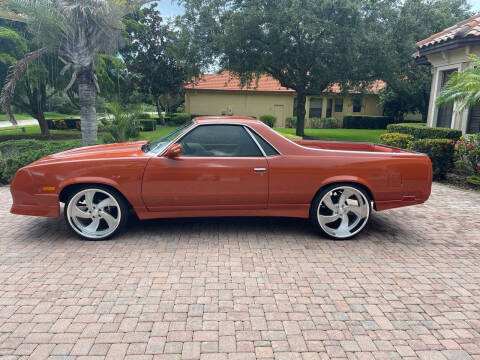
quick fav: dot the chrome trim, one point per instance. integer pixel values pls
(255, 140)
(260, 169)
(268, 142)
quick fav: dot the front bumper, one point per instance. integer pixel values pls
(28, 201)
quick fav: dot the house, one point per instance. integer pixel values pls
(223, 94)
(447, 53)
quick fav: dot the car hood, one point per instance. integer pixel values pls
(98, 152)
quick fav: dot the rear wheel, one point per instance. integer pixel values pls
(95, 212)
(341, 211)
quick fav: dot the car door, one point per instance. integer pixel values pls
(221, 168)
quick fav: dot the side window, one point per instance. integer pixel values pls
(269, 149)
(219, 141)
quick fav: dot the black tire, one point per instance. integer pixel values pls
(122, 216)
(314, 210)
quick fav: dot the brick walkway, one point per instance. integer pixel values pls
(240, 289)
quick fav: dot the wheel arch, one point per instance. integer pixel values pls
(71, 187)
(342, 180)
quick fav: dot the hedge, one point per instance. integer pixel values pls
(15, 154)
(268, 120)
(148, 124)
(323, 123)
(366, 122)
(440, 151)
(420, 131)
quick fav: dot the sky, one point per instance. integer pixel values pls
(168, 8)
(475, 5)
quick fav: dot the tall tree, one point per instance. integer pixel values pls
(77, 31)
(396, 27)
(307, 45)
(153, 55)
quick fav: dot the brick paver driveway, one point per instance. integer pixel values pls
(409, 287)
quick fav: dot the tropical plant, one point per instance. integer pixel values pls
(77, 31)
(124, 125)
(463, 88)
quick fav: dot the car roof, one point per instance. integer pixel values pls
(224, 119)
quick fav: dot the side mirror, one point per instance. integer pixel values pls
(174, 151)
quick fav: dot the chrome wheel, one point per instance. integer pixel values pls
(343, 212)
(94, 213)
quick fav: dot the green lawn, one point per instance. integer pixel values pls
(356, 135)
(48, 115)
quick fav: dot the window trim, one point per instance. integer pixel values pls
(251, 132)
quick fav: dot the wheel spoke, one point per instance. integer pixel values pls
(344, 228)
(89, 199)
(106, 202)
(93, 226)
(328, 219)
(76, 211)
(329, 203)
(110, 220)
(357, 210)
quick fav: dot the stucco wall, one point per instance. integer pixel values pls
(245, 104)
(280, 105)
(370, 106)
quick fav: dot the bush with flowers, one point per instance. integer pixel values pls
(440, 152)
(395, 139)
(467, 152)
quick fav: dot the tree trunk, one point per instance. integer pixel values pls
(159, 111)
(87, 94)
(301, 111)
(43, 123)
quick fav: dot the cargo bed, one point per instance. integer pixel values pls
(349, 146)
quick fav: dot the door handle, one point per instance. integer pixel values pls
(260, 169)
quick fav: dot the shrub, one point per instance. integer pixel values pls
(178, 119)
(396, 140)
(268, 120)
(323, 123)
(291, 122)
(15, 154)
(148, 124)
(63, 124)
(420, 131)
(467, 153)
(124, 126)
(145, 116)
(366, 122)
(440, 151)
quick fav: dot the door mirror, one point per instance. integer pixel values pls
(174, 151)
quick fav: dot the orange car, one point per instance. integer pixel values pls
(222, 166)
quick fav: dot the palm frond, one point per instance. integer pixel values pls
(463, 88)
(14, 73)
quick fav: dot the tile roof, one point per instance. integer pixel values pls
(226, 81)
(469, 28)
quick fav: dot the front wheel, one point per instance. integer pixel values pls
(95, 212)
(341, 211)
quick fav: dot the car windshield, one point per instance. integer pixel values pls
(157, 146)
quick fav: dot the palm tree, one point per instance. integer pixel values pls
(76, 31)
(463, 88)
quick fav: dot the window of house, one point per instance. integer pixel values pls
(357, 105)
(316, 107)
(219, 141)
(445, 113)
(339, 105)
